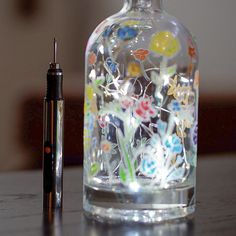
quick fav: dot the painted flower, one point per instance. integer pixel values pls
(126, 102)
(134, 69)
(94, 142)
(90, 121)
(87, 139)
(86, 108)
(155, 140)
(180, 130)
(192, 52)
(185, 120)
(161, 126)
(186, 116)
(174, 106)
(141, 54)
(182, 93)
(149, 166)
(173, 144)
(108, 147)
(165, 44)
(92, 58)
(185, 95)
(176, 175)
(111, 65)
(196, 79)
(144, 109)
(173, 85)
(195, 134)
(127, 33)
(102, 121)
(90, 104)
(89, 92)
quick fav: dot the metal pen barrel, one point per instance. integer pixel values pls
(53, 153)
(53, 138)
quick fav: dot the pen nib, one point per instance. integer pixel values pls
(55, 51)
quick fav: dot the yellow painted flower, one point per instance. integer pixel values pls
(165, 44)
(89, 91)
(87, 139)
(182, 93)
(134, 69)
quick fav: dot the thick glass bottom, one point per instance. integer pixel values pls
(143, 207)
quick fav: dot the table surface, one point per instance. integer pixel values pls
(21, 206)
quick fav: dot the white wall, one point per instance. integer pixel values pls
(25, 50)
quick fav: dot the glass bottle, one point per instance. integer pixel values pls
(140, 116)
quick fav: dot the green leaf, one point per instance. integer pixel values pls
(122, 174)
(135, 164)
(108, 78)
(99, 82)
(94, 169)
(171, 70)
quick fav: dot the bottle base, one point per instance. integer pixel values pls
(163, 206)
(111, 215)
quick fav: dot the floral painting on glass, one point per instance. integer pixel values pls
(141, 100)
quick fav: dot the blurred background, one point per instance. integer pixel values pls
(27, 29)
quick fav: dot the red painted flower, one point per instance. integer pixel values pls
(141, 54)
(126, 102)
(191, 52)
(144, 109)
(92, 58)
(102, 121)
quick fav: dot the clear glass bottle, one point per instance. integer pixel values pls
(140, 116)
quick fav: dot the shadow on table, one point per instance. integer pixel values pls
(177, 228)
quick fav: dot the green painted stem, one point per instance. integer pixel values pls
(126, 156)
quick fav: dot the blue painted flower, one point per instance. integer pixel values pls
(173, 144)
(161, 125)
(176, 175)
(179, 160)
(174, 106)
(111, 65)
(155, 140)
(127, 33)
(94, 142)
(91, 120)
(149, 166)
(195, 134)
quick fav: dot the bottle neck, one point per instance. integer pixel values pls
(155, 5)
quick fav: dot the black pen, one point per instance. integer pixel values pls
(53, 137)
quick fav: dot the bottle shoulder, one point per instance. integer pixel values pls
(152, 21)
(155, 31)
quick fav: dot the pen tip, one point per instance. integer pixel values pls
(55, 50)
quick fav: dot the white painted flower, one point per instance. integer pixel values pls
(187, 116)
